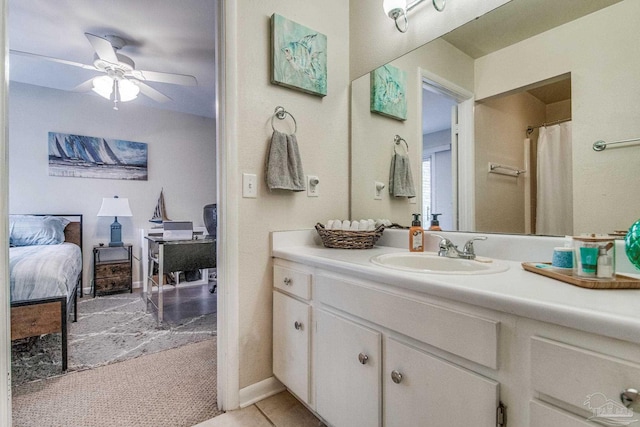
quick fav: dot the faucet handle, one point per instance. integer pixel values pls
(468, 247)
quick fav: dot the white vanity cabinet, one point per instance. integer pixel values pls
(421, 389)
(366, 367)
(590, 386)
(292, 330)
(347, 371)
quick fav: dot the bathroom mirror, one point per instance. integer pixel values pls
(526, 63)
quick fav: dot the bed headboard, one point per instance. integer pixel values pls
(73, 232)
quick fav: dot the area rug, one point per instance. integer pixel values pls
(109, 329)
(172, 388)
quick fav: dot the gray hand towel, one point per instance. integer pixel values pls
(400, 178)
(284, 167)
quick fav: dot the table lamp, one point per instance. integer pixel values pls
(115, 207)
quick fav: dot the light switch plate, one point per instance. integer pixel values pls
(413, 200)
(378, 188)
(312, 189)
(249, 185)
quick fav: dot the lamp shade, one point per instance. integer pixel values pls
(103, 86)
(127, 90)
(115, 206)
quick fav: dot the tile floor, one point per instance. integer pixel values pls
(281, 410)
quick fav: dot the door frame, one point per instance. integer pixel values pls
(462, 150)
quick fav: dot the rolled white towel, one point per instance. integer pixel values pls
(371, 225)
(346, 225)
(329, 225)
(355, 225)
(363, 225)
(337, 225)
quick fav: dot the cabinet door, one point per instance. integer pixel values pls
(291, 322)
(348, 372)
(420, 389)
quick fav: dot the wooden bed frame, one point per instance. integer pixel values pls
(36, 317)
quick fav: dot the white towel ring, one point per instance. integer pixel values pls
(397, 140)
(281, 114)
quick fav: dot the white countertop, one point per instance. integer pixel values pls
(611, 312)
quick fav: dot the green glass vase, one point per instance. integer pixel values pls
(632, 244)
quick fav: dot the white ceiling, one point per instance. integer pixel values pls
(172, 36)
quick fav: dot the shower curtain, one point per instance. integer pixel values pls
(554, 213)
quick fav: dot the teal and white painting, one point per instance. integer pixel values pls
(94, 157)
(388, 92)
(299, 56)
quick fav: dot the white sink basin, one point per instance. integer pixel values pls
(433, 264)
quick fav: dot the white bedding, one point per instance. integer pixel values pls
(44, 271)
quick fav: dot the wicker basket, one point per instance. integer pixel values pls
(347, 239)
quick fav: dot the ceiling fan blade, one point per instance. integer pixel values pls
(84, 87)
(103, 48)
(49, 58)
(151, 92)
(154, 76)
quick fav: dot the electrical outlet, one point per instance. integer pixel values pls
(249, 185)
(413, 200)
(312, 186)
(377, 190)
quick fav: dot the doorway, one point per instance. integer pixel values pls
(447, 153)
(5, 296)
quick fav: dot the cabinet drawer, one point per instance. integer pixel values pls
(292, 281)
(113, 269)
(542, 415)
(575, 375)
(112, 284)
(462, 334)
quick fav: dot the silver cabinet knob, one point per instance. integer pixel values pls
(363, 358)
(630, 398)
(396, 377)
(297, 325)
(287, 281)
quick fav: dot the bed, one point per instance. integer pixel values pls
(45, 268)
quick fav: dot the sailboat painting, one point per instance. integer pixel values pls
(93, 157)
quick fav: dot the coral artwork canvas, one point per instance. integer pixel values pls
(299, 56)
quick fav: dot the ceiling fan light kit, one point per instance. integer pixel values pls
(122, 81)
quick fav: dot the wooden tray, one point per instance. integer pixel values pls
(619, 282)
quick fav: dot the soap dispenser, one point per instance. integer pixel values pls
(416, 235)
(435, 224)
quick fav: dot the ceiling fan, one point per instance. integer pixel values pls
(122, 81)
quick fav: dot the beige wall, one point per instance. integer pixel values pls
(323, 139)
(372, 134)
(602, 55)
(376, 41)
(500, 126)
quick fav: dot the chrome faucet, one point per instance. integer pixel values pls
(446, 248)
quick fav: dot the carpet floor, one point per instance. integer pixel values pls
(109, 329)
(173, 388)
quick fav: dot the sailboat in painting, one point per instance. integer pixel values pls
(160, 212)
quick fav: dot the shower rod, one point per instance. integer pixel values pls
(555, 122)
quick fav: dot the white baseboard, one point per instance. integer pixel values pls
(258, 391)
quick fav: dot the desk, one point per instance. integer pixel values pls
(176, 255)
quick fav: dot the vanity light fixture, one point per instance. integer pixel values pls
(399, 8)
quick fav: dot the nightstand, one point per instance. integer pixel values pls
(112, 269)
